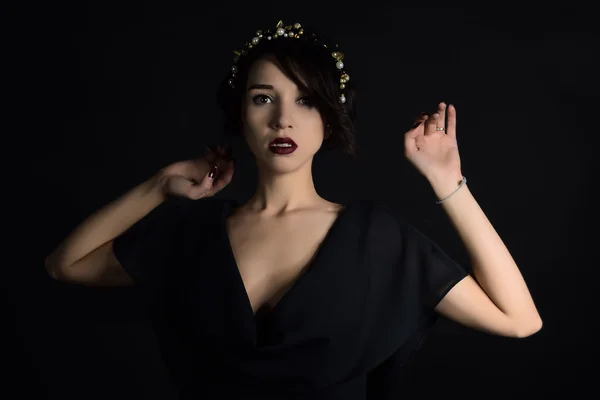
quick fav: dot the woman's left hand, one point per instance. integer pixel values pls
(432, 148)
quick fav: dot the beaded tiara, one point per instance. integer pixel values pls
(284, 32)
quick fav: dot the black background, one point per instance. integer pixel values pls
(102, 95)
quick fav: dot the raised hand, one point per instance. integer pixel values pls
(431, 145)
(198, 178)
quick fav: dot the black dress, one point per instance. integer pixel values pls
(343, 331)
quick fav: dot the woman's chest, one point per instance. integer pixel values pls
(272, 255)
(308, 281)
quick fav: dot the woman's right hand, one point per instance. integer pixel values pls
(199, 178)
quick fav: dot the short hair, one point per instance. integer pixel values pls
(313, 69)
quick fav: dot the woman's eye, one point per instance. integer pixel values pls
(264, 99)
(261, 99)
(305, 101)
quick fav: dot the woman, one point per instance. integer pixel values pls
(290, 295)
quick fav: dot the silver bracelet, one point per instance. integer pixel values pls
(462, 183)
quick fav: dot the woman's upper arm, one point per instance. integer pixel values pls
(99, 268)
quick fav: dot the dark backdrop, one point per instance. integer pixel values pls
(101, 96)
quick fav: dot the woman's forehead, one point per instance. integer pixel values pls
(269, 72)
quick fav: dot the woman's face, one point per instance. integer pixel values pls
(275, 108)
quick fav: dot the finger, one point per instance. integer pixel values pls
(419, 120)
(217, 178)
(431, 124)
(225, 174)
(197, 191)
(442, 111)
(413, 136)
(451, 126)
(418, 127)
(204, 187)
(202, 184)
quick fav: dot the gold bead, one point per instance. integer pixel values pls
(338, 55)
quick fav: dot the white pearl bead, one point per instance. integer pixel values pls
(339, 65)
(280, 31)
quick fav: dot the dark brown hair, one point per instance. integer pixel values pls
(312, 68)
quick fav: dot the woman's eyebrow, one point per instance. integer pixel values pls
(260, 86)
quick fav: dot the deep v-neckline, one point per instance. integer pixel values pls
(310, 268)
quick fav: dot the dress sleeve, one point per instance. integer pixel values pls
(146, 250)
(410, 275)
(433, 272)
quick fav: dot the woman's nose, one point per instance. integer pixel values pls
(282, 120)
(281, 125)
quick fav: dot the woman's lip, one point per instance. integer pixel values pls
(284, 140)
(282, 150)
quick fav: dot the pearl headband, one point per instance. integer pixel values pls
(294, 31)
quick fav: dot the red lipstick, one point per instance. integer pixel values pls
(283, 145)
